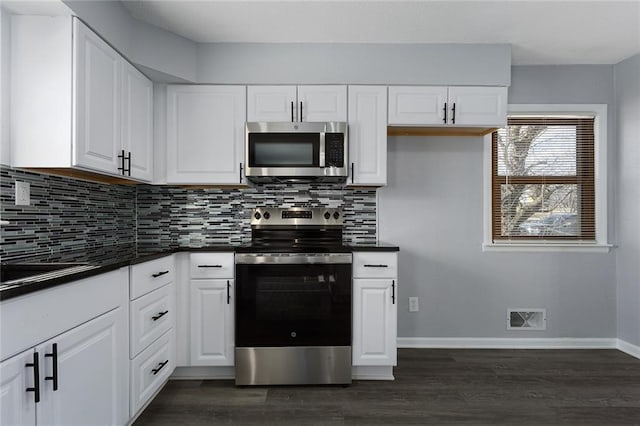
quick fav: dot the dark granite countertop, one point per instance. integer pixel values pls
(99, 260)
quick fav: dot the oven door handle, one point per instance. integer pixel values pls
(280, 258)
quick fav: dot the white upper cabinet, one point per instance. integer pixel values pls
(322, 103)
(85, 108)
(417, 105)
(367, 135)
(97, 101)
(271, 103)
(137, 121)
(478, 106)
(297, 103)
(447, 106)
(205, 134)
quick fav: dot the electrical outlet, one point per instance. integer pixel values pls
(413, 304)
(23, 193)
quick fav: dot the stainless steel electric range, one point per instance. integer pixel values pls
(293, 299)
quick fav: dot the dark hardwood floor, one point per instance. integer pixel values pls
(432, 386)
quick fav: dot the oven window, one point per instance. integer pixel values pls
(293, 305)
(284, 150)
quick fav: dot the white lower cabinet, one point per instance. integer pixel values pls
(78, 377)
(150, 370)
(17, 407)
(375, 309)
(212, 322)
(152, 329)
(78, 381)
(211, 306)
(374, 322)
(90, 372)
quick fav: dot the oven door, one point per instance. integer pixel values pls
(293, 300)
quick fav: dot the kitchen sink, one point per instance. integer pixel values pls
(20, 271)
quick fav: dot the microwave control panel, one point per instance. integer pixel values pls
(334, 149)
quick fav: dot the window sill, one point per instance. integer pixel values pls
(547, 246)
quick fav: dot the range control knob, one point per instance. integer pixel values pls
(336, 215)
(327, 215)
(257, 215)
(267, 215)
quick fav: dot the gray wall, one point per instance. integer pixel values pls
(433, 209)
(5, 80)
(627, 77)
(340, 63)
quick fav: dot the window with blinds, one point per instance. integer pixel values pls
(543, 179)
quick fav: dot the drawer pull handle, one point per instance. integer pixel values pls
(54, 359)
(209, 266)
(159, 367)
(393, 292)
(159, 274)
(36, 377)
(376, 266)
(160, 315)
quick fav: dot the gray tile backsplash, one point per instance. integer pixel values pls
(68, 214)
(65, 215)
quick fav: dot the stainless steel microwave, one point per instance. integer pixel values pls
(296, 152)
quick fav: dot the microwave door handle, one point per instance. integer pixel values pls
(322, 150)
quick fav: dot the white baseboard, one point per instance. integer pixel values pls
(361, 372)
(629, 348)
(506, 343)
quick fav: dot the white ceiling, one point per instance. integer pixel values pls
(540, 32)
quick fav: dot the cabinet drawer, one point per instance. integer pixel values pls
(375, 265)
(149, 370)
(148, 276)
(151, 316)
(211, 265)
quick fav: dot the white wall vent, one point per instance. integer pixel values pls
(526, 319)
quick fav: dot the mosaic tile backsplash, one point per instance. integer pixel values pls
(65, 215)
(68, 215)
(179, 216)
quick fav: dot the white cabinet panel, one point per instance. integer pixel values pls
(374, 322)
(205, 134)
(152, 315)
(271, 103)
(417, 105)
(211, 265)
(17, 406)
(368, 135)
(151, 275)
(150, 370)
(97, 101)
(322, 103)
(375, 265)
(447, 106)
(92, 374)
(297, 103)
(212, 322)
(137, 122)
(475, 106)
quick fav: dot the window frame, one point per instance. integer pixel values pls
(599, 111)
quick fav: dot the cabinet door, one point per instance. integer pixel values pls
(205, 134)
(212, 339)
(92, 373)
(374, 322)
(322, 103)
(478, 106)
(97, 107)
(17, 406)
(417, 105)
(271, 103)
(368, 135)
(137, 121)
